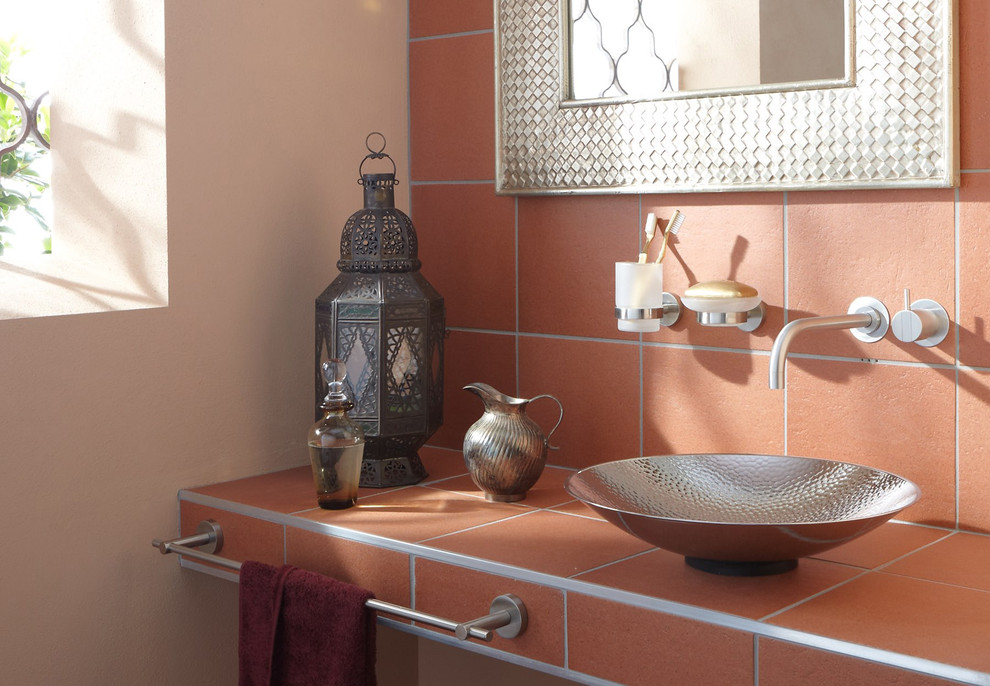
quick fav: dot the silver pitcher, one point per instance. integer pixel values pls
(505, 451)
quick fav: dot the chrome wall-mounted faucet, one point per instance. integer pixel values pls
(924, 322)
(867, 318)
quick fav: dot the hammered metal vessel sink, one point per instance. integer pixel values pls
(742, 514)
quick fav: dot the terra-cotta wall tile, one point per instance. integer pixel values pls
(385, 572)
(548, 491)
(974, 450)
(567, 253)
(441, 17)
(974, 71)
(693, 393)
(896, 418)
(452, 108)
(736, 236)
(960, 559)
(704, 401)
(415, 513)
(544, 541)
(903, 615)
(245, 538)
(467, 242)
(974, 287)
(471, 357)
(842, 245)
(883, 544)
(637, 647)
(462, 594)
(662, 574)
(598, 385)
(288, 490)
(787, 664)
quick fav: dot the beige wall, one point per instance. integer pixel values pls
(718, 44)
(802, 40)
(104, 417)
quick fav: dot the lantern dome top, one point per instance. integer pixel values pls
(378, 238)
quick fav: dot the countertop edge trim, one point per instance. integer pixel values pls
(705, 615)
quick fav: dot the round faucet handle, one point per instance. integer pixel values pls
(924, 322)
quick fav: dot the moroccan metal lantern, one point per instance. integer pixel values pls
(387, 323)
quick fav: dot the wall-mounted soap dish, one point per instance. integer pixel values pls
(725, 303)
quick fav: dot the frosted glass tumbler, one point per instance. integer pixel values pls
(639, 287)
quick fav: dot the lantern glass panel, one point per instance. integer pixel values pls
(357, 346)
(405, 393)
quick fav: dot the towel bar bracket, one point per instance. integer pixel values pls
(208, 539)
(507, 615)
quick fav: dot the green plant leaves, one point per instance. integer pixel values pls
(21, 184)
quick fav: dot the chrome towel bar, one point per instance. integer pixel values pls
(507, 615)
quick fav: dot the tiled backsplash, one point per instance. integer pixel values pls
(529, 291)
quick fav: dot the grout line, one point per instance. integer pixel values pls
(878, 568)
(786, 262)
(972, 368)
(756, 660)
(593, 518)
(787, 301)
(642, 401)
(804, 600)
(458, 34)
(933, 527)
(639, 238)
(409, 124)
(567, 654)
(886, 564)
(642, 392)
(736, 351)
(609, 564)
(477, 526)
(481, 648)
(493, 332)
(434, 446)
(390, 489)
(515, 209)
(434, 482)
(458, 182)
(948, 584)
(957, 230)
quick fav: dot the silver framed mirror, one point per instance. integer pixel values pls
(890, 123)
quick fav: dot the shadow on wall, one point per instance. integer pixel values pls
(96, 208)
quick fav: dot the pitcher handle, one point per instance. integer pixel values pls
(559, 420)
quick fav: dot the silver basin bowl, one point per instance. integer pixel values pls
(742, 514)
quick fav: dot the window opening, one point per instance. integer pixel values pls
(25, 132)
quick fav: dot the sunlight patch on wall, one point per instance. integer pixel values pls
(110, 219)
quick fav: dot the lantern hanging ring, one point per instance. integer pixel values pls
(375, 155)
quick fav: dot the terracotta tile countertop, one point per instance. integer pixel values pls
(905, 604)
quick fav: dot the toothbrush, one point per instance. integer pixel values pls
(673, 226)
(651, 230)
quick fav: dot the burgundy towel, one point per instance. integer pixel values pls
(299, 628)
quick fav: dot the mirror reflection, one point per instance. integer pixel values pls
(641, 49)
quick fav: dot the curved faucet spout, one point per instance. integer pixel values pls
(778, 355)
(867, 316)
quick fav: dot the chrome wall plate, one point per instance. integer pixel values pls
(871, 306)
